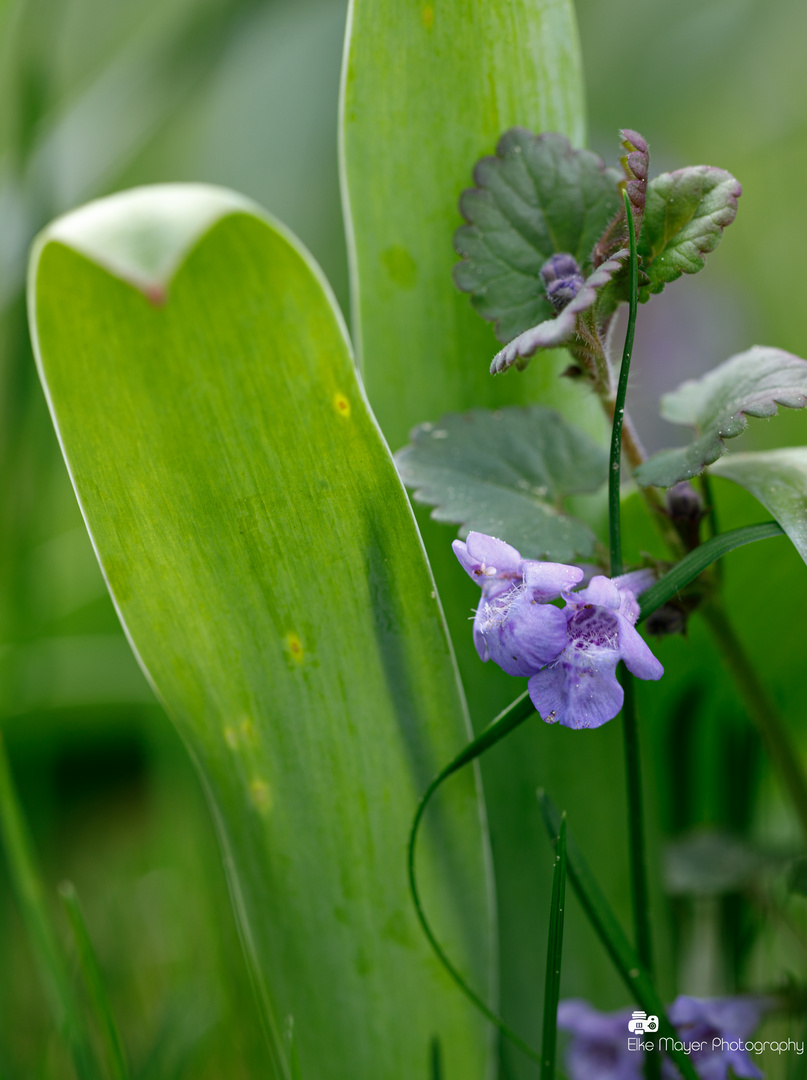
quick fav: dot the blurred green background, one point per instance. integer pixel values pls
(98, 95)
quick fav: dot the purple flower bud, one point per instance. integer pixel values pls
(562, 279)
(685, 510)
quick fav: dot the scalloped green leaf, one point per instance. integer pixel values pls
(263, 558)
(685, 214)
(778, 479)
(753, 383)
(506, 473)
(537, 196)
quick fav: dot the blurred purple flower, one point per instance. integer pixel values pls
(579, 689)
(599, 1046)
(730, 1020)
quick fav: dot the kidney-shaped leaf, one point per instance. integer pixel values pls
(263, 558)
(536, 197)
(753, 383)
(685, 214)
(778, 478)
(506, 473)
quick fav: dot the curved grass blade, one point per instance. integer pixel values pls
(611, 934)
(47, 949)
(508, 720)
(94, 984)
(264, 560)
(697, 561)
(554, 950)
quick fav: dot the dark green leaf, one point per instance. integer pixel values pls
(506, 473)
(685, 214)
(753, 383)
(537, 196)
(778, 478)
(612, 935)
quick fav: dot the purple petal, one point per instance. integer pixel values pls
(493, 552)
(524, 635)
(602, 592)
(484, 557)
(579, 690)
(637, 581)
(636, 654)
(548, 579)
(479, 637)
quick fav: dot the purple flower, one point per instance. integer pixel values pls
(599, 1046)
(723, 1025)
(569, 655)
(598, 1049)
(514, 625)
(579, 689)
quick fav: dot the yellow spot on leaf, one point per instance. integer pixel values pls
(295, 647)
(342, 404)
(261, 795)
(249, 732)
(231, 737)
(428, 16)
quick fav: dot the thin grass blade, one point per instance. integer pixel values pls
(90, 971)
(554, 950)
(613, 936)
(48, 952)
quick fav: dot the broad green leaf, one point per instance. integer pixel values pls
(536, 197)
(778, 478)
(685, 214)
(506, 473)
(428, 89)
(263, 558)
(753, 383)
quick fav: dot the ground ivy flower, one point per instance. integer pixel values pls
(708, 1029)
(569, 655)
(514, 625)
(579, 689)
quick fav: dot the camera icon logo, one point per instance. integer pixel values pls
(641, 1022)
